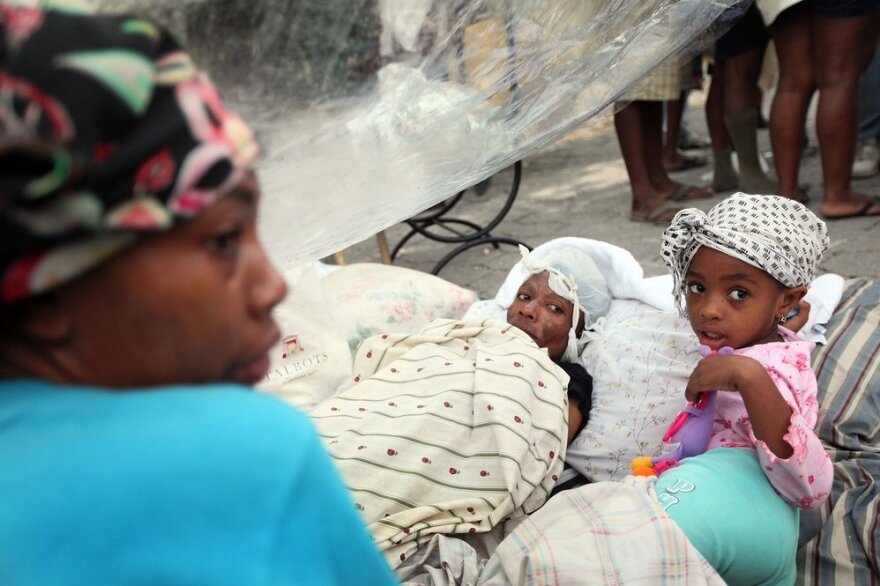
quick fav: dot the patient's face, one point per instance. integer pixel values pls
(541, 313)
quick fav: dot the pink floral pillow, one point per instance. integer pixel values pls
(371, 298)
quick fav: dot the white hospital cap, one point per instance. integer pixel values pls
(573, 276)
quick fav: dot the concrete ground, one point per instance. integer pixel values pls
(579, 187)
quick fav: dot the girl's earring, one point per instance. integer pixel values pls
(783, 318)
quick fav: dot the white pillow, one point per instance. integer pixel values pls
(486, 309)
(323, 320)
(640, 360)
(312, 358)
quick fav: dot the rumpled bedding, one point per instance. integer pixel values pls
(602, 533)
(454, 430)
(840, 540)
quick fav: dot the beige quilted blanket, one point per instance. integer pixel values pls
(450, 431)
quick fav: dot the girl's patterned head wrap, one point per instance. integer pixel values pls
(775, 234)
(107, 129)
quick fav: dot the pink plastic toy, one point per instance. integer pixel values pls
(688, 434)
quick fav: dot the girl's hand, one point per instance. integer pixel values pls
(768, 412)
(720, 372)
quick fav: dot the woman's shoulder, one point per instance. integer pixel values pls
(201, 470)
(175, 444)
(156, 421)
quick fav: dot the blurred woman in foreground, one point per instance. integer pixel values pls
(135, 308)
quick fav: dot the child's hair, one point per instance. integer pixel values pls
(778, 235)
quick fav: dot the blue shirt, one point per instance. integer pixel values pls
(180, 485)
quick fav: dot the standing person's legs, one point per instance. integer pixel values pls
(640, 133)
(843, 48)
(869, 100)
(652, 123)
(724, 177)
(792, 36)
(674, 112)
(673, 159)
(741, 106)
(647, 201)
(639, 129)
(715, 108)
(630, 137)
(867, 153)
(741, 81)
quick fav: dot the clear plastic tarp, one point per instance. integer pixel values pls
(374, 110)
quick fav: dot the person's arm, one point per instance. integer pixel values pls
(575, 419)
(796, 323)
(580, 397)
(789, 451)
(768, 411)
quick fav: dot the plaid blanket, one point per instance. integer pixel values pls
(602, 533)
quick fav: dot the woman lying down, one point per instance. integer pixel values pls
(464, 426)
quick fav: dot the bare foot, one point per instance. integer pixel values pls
(653, 208)
(682, 162)
(685, 192)
(661, 215)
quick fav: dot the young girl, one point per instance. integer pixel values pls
(739, 269)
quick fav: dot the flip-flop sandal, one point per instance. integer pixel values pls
(683, 189)
(861, 212)
(655, 216)
(687, 162)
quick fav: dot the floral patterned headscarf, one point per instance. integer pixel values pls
(107, 130)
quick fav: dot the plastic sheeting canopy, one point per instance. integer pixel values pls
(373, 110)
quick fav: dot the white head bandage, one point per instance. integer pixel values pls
(775, 234)
(574, 276)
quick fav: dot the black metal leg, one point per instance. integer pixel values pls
(494, 240)
(435, 217)
(403, 241)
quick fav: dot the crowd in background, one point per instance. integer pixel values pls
(810, 47)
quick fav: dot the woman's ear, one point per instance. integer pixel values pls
(789, 298)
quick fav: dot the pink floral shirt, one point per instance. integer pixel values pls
(804, 479)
